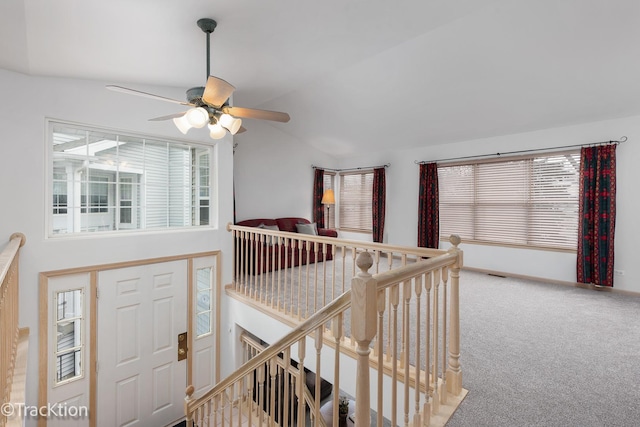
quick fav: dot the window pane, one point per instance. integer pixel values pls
(69, 334)
(529, 201)
(101, 181)
(356, 192)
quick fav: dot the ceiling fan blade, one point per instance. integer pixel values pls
(217, 91)
(145, 94)
(242, 129)
(169, 117)
(252, 113)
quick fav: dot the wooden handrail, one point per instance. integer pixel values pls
(16, 241)
(382, 247)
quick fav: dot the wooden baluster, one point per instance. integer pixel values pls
(261, 395)
(418, 290)
(318, 343)
(406, 294)
(273, 370)
(436, 339)
(273, 251)
(280, 268)
(336, 328)
(381, 304)
(454, 371)
(443, 383)
(286, 355)
(426, 412)
(187, 399)
(250, 391)
(307, 286)
(301, 380)
(263, 268)
(315, 276)
(333, 271)
(287, 245)
(252, 265)
(363, 322)
(394, 300)
(344, 267)
(299, 278)
(243, 264)
(324, 274)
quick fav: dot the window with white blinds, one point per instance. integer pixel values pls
(356, 192)
(530, 201)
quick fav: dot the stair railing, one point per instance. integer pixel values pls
(412, 312)
(10, 332)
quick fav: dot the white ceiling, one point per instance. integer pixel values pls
(354, 74)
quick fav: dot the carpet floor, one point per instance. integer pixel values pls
(537, 354)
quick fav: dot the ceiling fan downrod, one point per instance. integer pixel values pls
(208, 25)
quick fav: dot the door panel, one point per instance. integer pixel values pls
(141, 311)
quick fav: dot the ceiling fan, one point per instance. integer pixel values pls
(209, 104)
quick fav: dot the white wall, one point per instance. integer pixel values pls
(26, 103)
(273, 178)
(273, 174)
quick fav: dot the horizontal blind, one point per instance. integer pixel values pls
(530, 201)
(356, 192)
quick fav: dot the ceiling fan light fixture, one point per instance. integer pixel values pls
(182, 124)
(197, 117)
(216, 131)
(230, 123)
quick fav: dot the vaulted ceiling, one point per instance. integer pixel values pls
(353, 74)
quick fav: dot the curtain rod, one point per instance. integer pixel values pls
(622, 139)
(351, 169)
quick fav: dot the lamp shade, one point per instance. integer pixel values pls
(328, 197)
(230, 123)
(197, 117)
(182, 124)
(216, 131)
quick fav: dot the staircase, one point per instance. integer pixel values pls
(387, 317)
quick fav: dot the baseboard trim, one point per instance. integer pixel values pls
(552, 281)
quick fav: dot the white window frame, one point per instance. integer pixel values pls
(66, 222)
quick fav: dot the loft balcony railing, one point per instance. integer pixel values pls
(392, 311)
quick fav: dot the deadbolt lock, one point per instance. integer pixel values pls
(182, 346)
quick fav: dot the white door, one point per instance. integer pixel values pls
(141, 311)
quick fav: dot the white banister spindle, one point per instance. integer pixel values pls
(435, 402)
(406, 294)
(443, 385)
(381, 304)
(426, 419)
(454, 371)
(363, 329)
(394, 299)
(301, 380)
(336, 329)
(418, 290)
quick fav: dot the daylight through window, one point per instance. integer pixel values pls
(105, 181)
(531, 201)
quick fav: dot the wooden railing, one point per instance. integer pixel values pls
(10, 332)
(410, 309)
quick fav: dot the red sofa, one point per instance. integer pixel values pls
(268, 251)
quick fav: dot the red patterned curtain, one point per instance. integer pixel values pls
(428, 219)
(597, 215)
(378, 203)
(318, 190)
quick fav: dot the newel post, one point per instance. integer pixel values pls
(363, 327)
(454, 371)
(187, 399)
